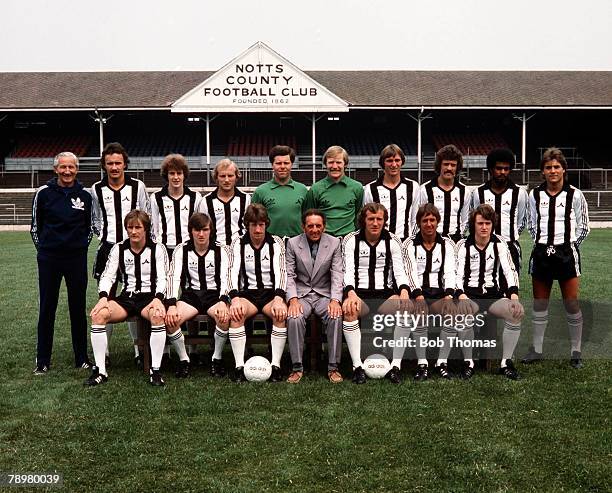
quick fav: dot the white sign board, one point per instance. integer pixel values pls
(260, 80)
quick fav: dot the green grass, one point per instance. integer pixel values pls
(547, 432)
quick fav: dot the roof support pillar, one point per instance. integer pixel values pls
(419, 119)
(313, 118)
(524, 118)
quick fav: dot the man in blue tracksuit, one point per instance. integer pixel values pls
(61, 230)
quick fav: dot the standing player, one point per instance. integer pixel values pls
(143, 266)
(374, 269)
(61, 231)
(447, 193)
(226, 205)
(173, 205)
(507, 199)
(558, 223)
(398, 194)
(257, 284)
(113, 197)
(282, 197)
(171, 208)
(199, 268)
(434, 257)
(480, 257)
(337, 196)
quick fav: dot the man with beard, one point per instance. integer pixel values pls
(447, 193)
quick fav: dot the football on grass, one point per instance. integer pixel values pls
(257, 369)
(376, 366)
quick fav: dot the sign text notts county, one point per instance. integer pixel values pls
(260, 83)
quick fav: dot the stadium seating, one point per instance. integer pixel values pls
(475, 144)
(50, 146)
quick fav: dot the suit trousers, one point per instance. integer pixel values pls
(296, 329)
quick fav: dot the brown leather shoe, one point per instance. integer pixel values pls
(335, 376)
(295, 376)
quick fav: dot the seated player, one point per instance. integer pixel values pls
(199, 269)
(256, 284)
(434, 257)
(374, 269)
(143, 266)
(480, 257)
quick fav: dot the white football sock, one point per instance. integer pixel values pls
(237, 337)
(178, 341)
(220, 340)
(420, 334)
(467, 336)
(157, 342)
(98, 345)
(445, 336)
(510, 339)
(540, 321)
(401, 335)
(352, 335)
(574, 324)
(277, 340)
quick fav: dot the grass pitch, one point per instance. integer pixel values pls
(548, 432)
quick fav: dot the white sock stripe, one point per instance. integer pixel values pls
(162, 326)
(350, 325)
(98, 330)
(278, 334)
(509, 326)
(574, 317)
(176, 336)
(221, 333)
(158, 329)
(237, 335)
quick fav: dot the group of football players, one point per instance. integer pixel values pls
(338, 250)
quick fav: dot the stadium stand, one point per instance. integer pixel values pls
(479, 144)
(30, 146)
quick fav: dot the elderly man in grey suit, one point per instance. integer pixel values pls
(314, 285)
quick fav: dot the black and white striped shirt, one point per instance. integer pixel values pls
(227, 216)
(435, 268)
(402, 203)
(144, 272)
(510, 207)
(454, 206)
(111, 206)
(376, 267)
(257, 268)
(561, 219)
(479, 269)
(169, 216)
(189, 270)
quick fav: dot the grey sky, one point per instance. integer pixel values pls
(54, 35)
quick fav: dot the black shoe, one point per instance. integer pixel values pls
(576, 360)
(393, 375)
(217, 369)
(96, 378)
(238, 375)
(276, 375)
(182, 370)
(139, 361)
(532, 356)
(467, 371)
(422, 373)
(509, 371)
(443, 372)
(156, 379)
(359, 375)
(41, 369)
(85, 365)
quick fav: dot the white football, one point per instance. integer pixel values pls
(257, 369)
(376, 366)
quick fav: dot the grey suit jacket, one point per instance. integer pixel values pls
(323, 276)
